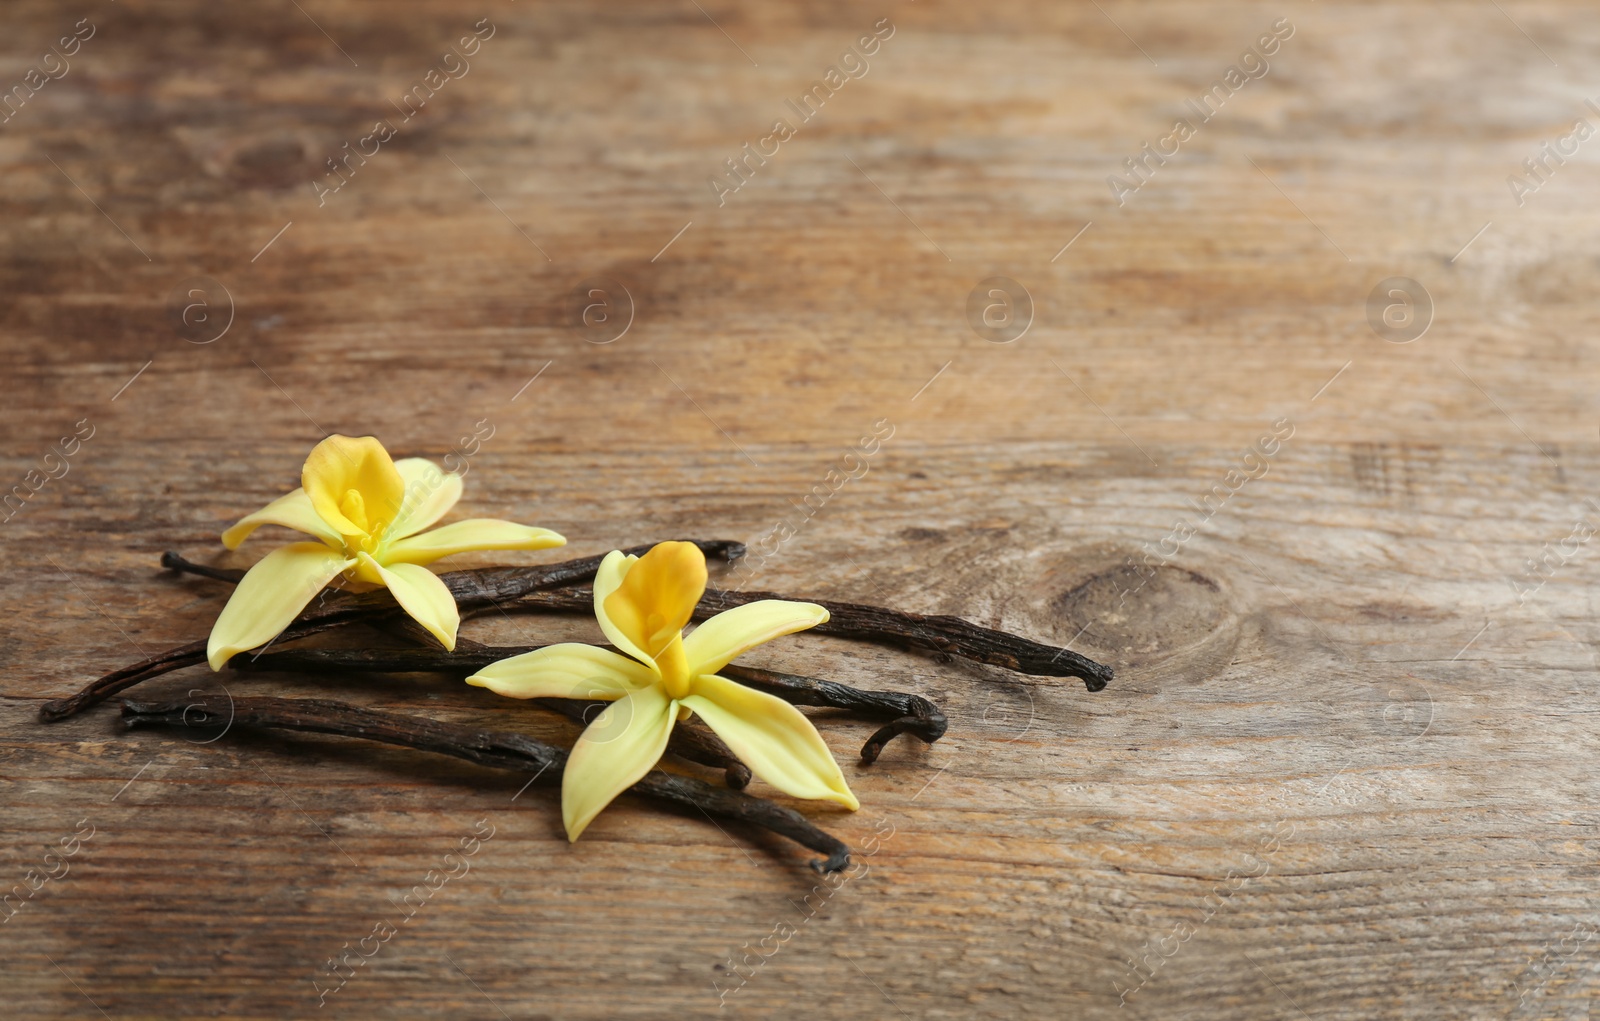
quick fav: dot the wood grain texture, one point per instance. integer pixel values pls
(1345, 770)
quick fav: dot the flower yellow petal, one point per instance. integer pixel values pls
(422, 595)
(569, 670)
(607, 579)
(270, 595)
(293, 510)
(429, 495)
(772, 737)
(617, 749)
(714, 644)
(353, 484)
(658, 595)
(465, 536)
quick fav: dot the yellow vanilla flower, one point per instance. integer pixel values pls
(642, 604)
(370, 512)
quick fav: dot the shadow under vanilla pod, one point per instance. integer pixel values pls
(502, 749)
(562, 588)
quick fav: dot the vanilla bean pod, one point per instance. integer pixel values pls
(175, 562)
(490, 748)
(908, 714)
(687, 741)
(477, 587)
(473, 590)
(912, 714)
(939, 633)
(942, 634)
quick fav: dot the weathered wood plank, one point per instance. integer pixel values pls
(1332, 689)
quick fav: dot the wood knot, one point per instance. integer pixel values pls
(1143, 614)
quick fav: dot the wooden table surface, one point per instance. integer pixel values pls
(1345, 768)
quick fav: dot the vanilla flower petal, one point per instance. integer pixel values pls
(353, 484)
(422, 595)
(469, 535)
(772, 737)
(657, 595)
(368, 510)
(607, 579)
(731, 633)
(642, 604)
(292, 510)
(429, 495)
(622, 744)
(568, 670)
(270, 595)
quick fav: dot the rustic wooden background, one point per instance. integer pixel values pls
(1345, 770)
